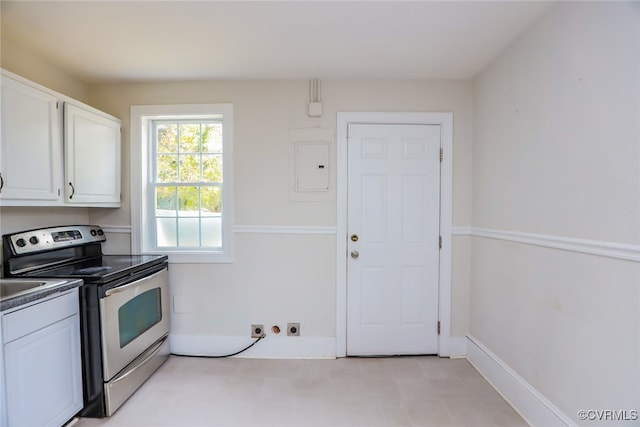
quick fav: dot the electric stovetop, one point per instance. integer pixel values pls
(103, 268)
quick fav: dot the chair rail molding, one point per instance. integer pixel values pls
(120, 229)
(623, 251)
(284, 229)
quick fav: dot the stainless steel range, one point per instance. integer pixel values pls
(124, 306)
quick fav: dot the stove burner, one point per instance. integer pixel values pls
(92, 270)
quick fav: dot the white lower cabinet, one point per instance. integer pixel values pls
(42, 365)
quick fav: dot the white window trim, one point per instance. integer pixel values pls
(141, 115)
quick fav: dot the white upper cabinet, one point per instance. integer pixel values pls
(92, 157)
(51, 157)
(31, 146)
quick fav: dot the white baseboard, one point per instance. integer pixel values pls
(457, 347)
(270, 347)
(536, 409)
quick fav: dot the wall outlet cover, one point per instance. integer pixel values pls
(257, 330)
(293, 329)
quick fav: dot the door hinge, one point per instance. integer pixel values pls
(440, 242)
(441, 154)
(438, 327)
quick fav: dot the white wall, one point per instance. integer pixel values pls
(22, 62)
(557, 155)
(278, 278)
(14, 219)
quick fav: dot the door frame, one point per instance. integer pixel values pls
(445, 121)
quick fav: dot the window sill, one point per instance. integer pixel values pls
(195, 257)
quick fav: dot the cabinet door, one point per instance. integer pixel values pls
(31, 148)
(3, 390)
(92, 158)
(43, 376)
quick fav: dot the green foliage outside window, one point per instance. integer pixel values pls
(189, 153)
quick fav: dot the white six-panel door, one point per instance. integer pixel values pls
(393, 247)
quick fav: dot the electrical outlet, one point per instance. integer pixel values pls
(293, 329)
(257, 331)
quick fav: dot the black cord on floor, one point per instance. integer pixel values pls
(225, 355)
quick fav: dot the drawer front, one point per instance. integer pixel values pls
(24, 321)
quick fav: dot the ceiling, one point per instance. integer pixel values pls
(126, 41)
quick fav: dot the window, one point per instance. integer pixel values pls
(181, 172)
(186, 183)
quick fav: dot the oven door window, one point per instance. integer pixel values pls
(138, 315)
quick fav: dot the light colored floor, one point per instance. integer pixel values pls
(352, 392)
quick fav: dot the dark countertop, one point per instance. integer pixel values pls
(38, 294)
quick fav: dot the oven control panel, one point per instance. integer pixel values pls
(49, 238)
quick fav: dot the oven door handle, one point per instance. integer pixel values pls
(152, 352)
(126, 287)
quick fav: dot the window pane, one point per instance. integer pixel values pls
(138, 315)
(211, 168)
(166, 201)
(188, 232)
(166, 232)
(211, 233)
(190, 138)
(167, 138)
(167, 168)
(188, 201)
(211, 199)
(212, 138)
(189, 168)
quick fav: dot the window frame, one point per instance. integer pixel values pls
(143, 226)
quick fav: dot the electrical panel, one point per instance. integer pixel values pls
(312, 166)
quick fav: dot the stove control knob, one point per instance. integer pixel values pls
(34, 240)
(21, 243)
(100, 232)
(93, 232)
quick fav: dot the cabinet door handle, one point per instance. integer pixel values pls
(1, 183)
(73, 191)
